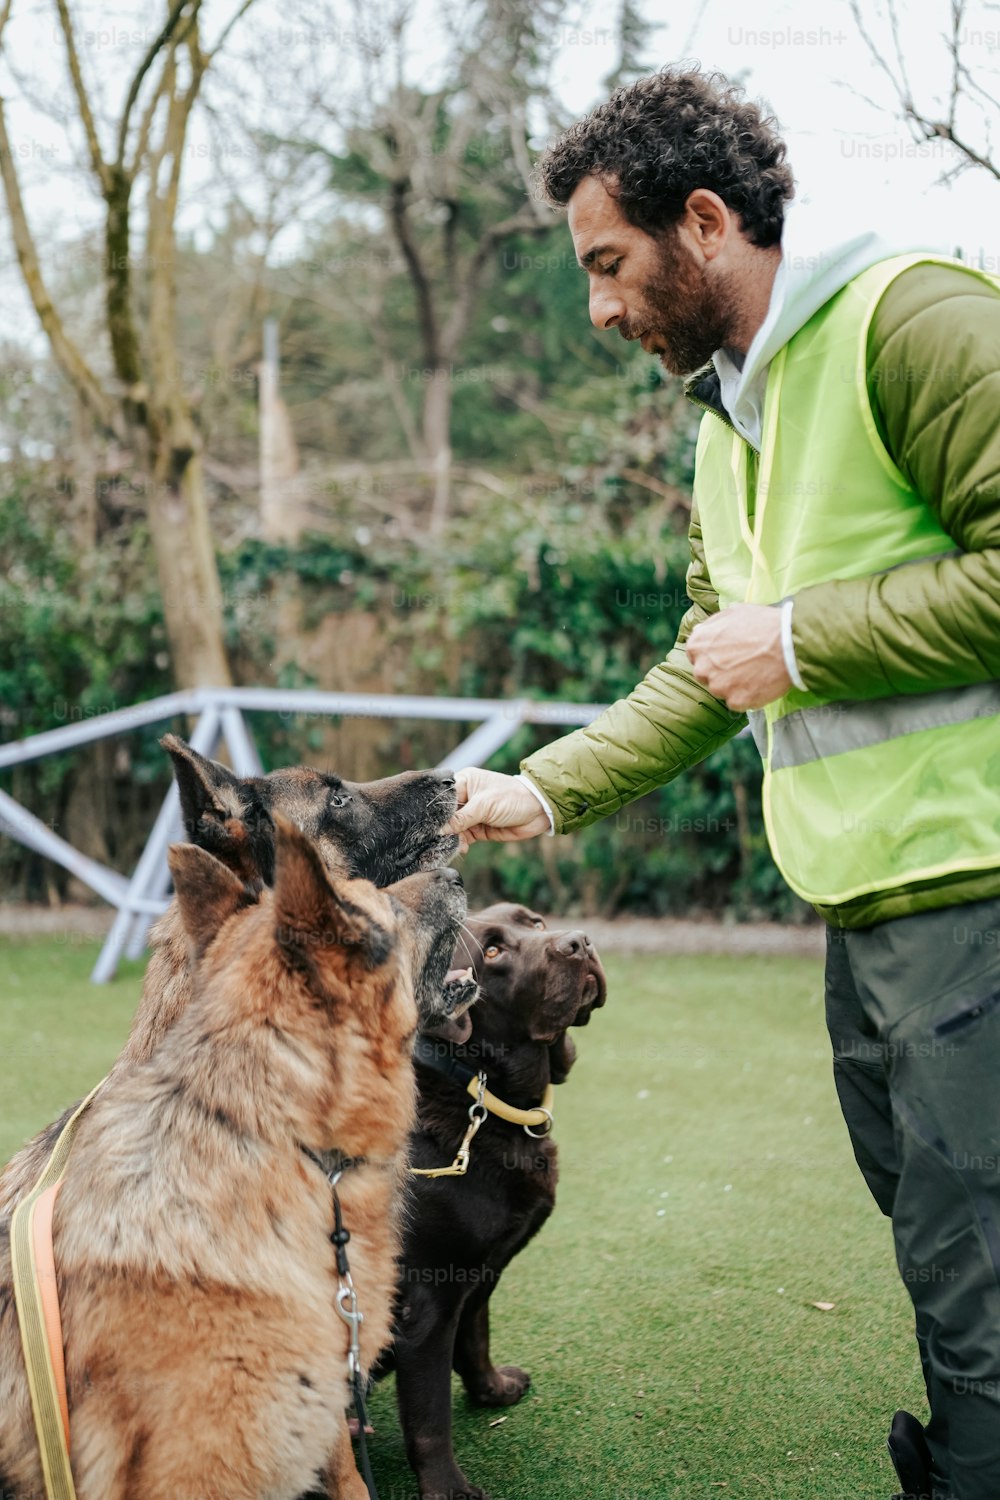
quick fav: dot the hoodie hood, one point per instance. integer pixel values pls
(817, 258)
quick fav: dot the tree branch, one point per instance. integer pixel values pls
(67, 355)
(224, 34)
(670, 492)
(524, 221)
(522, 160)
(943, 131)
(97, 161)
(146, 123)
(904, 84)
(956, 66)
(156, 47)
(160, 239)
(400, 221)
(929, 128)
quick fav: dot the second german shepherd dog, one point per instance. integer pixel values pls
(380, 831)
(205, 1356)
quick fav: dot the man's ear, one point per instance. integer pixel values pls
(316, 921)
(204, 785)
(707, 222)
(208, 893)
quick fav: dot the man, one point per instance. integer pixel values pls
(846, 518)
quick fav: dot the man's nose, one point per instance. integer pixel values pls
(606, 308)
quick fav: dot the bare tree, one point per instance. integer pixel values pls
(449, 170)
(968, 104)
(142, 402)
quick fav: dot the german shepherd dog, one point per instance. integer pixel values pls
(462, 1231)
(206, 1359)
(380, 831)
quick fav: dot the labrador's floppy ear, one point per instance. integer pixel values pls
(208, 893)
(317, 923)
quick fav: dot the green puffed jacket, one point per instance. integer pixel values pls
(934, 385)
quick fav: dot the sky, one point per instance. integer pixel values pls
(811, 65)
(853, 158)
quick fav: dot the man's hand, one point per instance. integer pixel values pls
(737, 655)
(493, 806)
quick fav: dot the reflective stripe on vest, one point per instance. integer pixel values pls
(863, 795)
(843, 725)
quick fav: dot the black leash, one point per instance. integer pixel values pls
(347, 1307)
(339, 1239)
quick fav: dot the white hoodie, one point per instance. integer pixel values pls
(817, 259)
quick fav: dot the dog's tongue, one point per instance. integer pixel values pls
(455, 1029)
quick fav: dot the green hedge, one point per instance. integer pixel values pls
(570, 604)
(565, 597)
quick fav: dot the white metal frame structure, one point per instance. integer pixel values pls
(219, 716)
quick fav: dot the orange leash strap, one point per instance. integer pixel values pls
(45, 1272)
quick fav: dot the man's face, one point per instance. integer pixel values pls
(660, 291)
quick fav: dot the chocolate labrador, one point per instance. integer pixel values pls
(463, 1230)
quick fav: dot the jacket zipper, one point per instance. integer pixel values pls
(726, 423)
(713, 411)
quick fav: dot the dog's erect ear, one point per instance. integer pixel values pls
(222, 813)
(316, 922)
(208, 893)
(204, 785)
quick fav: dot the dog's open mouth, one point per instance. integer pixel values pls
(456, 1027)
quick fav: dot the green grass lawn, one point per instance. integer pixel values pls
(708, 1198)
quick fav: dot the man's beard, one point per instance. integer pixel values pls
(688, 311)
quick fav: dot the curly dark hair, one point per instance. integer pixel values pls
(655, 141)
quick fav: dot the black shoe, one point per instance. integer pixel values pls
(911, 1457)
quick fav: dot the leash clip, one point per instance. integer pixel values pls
(478, 1115)
(347, 1306)
(478, 1111)
(347, 1298)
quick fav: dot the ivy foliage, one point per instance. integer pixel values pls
(558, 594)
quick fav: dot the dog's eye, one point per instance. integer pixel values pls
(338, 799)
(538, 922)
(493, 951)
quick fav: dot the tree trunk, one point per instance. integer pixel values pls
(437, 443)
(154, 420)
(185, 563)
(177, 504)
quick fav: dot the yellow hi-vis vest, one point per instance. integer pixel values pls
(859, 796)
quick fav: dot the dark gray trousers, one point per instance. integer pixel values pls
(913, 1008)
